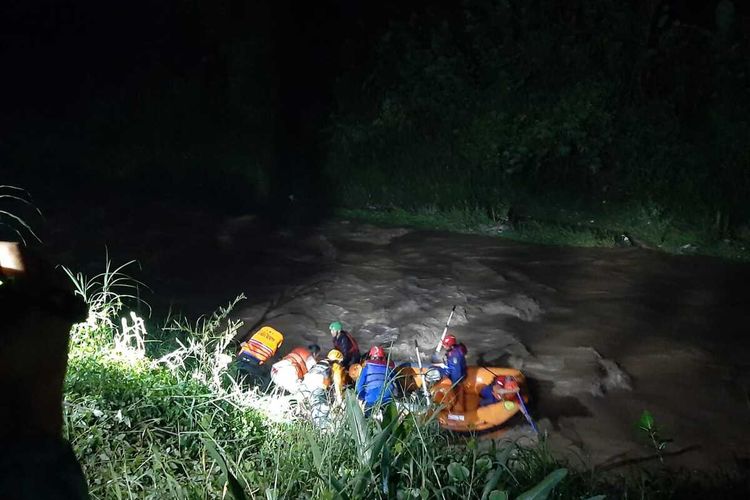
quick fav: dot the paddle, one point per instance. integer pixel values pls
(525, 412)
(424, 380)
(436, 356)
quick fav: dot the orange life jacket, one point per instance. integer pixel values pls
(299, 358)
(263, 344)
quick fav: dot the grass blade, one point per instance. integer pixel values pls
(542, 490)
(234, 485)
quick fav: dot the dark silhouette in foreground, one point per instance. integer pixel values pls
(37, 310)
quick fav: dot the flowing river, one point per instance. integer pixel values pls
(602, 334)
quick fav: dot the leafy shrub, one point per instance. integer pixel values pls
(492, 103)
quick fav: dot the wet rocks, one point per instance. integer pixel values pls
(614, 377)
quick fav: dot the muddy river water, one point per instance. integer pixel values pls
(602, 334)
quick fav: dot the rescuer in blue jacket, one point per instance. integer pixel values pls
(455, 369)
(455, 359)
(375, 382)
(502, 388)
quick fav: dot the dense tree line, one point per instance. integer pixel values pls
(490, 102)
(480, 103)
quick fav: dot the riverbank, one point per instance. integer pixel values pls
(641, 226)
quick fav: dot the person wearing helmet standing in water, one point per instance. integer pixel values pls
(326, 374)
(344, 342)
(290, 371)
(502, 388)
(255, 352)
(375, 385)
(455, 366)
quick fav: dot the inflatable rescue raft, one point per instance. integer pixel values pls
(462, 413)
(467, 415)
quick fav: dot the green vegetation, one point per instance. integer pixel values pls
(613, 112)
(152, 418)
(647, 227)
(14, 200)
(647, 424)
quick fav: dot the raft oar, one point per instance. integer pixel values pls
(424, 380)
(442, 337)
(525, 412)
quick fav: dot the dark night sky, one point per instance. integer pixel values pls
(75, 72)
(60, 53)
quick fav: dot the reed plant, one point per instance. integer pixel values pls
(13, 201)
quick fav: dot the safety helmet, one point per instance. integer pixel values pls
(433, 375)
(449, 341)
(506, 382)
(335, 326)
(313, 348)
(376, 352)
(335, 355)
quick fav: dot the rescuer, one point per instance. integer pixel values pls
(375, 385)
(255, 352)
(344, 342)
(289, 372)
(327, 374)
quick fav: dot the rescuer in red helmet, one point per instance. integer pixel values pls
(455, 367)
(502, 388)
(455, 359)
(375, 382)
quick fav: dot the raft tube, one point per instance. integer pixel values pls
(469, 416)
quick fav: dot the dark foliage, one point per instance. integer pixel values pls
(501, 102)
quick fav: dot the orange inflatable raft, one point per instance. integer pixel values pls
(467, 415)
(456, 415)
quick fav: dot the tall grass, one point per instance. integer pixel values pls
(106, 294)
(140, 425)
(13, 200)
